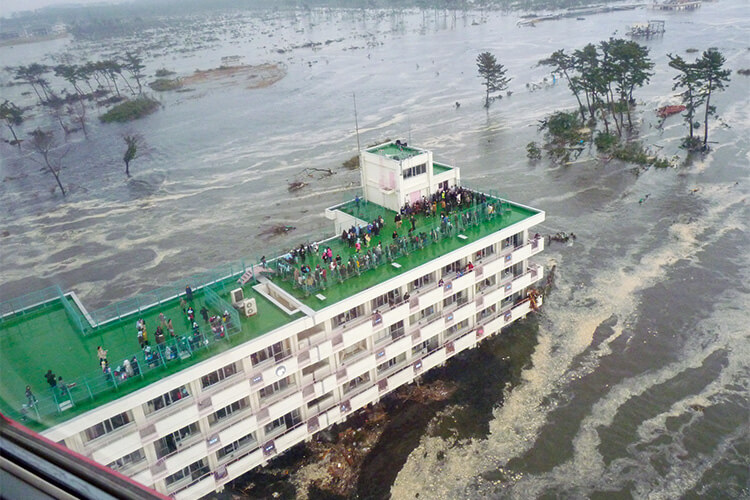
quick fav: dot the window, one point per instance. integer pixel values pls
(414, 171)
(425, 315)
(170, 398)
(171, 442)
(353, 350)
(276, 387)
(128, 460)
(109, 425)
(278, 351)
(420, 282)
(486, 251)
(458, 298)
(486, 283)
(393, 332)
(193, 471)
(397, 330)
(347, 316)
(227, 411)
(452, 268)
(384, 367)
(392, 297)
(512, 241)
(356, 382)
(428, 345)
(237, 445)
(219, 375)
(427, 312)
(455, 328)
(287, 421)
(486, 313)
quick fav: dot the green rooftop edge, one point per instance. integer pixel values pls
(45, 338)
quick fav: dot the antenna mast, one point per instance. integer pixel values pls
(356, 122)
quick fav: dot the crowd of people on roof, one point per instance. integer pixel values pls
(311, 266)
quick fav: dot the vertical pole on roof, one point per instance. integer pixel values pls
(356, 122)
(86, 383)
(54, 399)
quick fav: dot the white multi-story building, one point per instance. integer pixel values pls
(318, 349)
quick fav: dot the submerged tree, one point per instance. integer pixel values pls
(33, 75)
(714, 78)
(629, 67)
(689, 82)
(134, 65)
(132, 142)
(563, 64)
(493, 75)
(12, 115)
(43, 143)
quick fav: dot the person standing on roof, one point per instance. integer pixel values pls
(50, 378)
(30, 396)
(189, 293)
(102, 354)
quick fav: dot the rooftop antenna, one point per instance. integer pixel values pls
(408, 120)
(356, 122)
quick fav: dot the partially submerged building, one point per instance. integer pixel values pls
(286, 351)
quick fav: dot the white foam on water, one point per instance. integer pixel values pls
(518, 422)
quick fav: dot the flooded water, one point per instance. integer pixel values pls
(638, 383)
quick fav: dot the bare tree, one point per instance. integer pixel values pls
(78, 115)
(43, 143)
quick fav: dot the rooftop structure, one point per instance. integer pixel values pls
(259, 356)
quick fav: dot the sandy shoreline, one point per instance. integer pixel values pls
(250, 76)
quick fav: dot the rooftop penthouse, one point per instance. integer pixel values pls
(288, 341)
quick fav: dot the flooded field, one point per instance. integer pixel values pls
(637, 382)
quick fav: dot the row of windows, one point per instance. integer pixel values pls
(126, 461)
(166, 399)
(219, 375)
(228, 411)
(414, 171)
(107, 426)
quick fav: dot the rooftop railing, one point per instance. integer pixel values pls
(146, 366)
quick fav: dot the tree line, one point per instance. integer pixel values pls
(88, 81)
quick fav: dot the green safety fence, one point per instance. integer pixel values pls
(223, 276)
(77, 319)
(146, 366)
(223, 308)
(29, 303)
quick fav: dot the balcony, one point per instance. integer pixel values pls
(197, 488)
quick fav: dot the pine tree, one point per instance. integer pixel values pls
(493, 75)
(714, 78)
(689, 82)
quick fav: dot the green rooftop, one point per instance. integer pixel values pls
(438, 168)
(50, 332)
(44, 338)
(396, 152)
